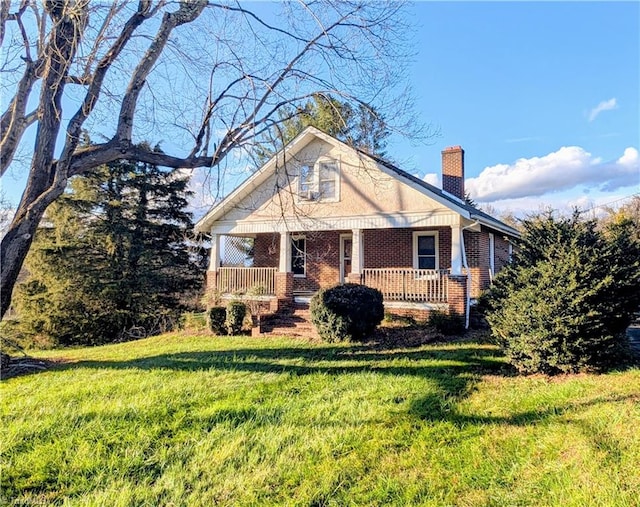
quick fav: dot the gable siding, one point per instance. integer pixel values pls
(364, 190)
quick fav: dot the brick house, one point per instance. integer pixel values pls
(321, 213)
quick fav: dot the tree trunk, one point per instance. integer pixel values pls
(15, 246)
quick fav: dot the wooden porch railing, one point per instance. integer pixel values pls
(400, 284)
(258, 281)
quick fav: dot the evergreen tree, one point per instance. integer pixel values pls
(362, 126)
(111, 260)
(565, 302)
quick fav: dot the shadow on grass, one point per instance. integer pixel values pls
(454, 369)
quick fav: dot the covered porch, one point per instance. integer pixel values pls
(418, 269)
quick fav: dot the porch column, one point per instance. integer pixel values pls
(214, 254)
(357, 256)
(284, 276)
(285, 252)
(357, 252)
(214, 262)
(456, 250)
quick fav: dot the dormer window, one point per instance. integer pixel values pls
(319, 182)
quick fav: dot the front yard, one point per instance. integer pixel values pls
(198, 420)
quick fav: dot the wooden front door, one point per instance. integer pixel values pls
(346, 243)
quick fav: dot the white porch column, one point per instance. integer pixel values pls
(285, 252)
(214, 255)
(456, 250)
(357, 251)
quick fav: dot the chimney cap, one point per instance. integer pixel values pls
(453, 148)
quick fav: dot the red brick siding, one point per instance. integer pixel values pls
(266, 251)
(501, 252)
(477, 249)
(393, 248)
(453, 171)
(323, 261)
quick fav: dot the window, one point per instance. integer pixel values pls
(319, 182)
(299, 256)
(425, 250)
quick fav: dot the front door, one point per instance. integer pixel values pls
(346, 242)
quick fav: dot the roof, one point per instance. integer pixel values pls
(474, 213)
(307, 135)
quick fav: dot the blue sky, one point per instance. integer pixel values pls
(543, 97)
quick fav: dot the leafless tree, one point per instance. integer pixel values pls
(202, 77)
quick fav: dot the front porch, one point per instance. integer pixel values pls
(290, 267)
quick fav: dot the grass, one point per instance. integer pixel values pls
(197, 420)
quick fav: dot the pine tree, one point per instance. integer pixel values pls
(362, 126)
(111, 260)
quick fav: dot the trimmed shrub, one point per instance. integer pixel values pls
(565, 302)
(346, 312)
(236, 311)
(448, 324)
(217, 317)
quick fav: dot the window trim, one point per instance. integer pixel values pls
(304, 255)
(315, 181)
(418, 234)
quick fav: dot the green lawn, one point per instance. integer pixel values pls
(198, 420)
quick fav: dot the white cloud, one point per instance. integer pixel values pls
(605, 105)
(432, 179)
(565, 169)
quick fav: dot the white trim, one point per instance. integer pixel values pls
(418, 234)
(284, 265)
(343, 237)
(298, 237)
(396, 220)
(313, 194)
(407, 305)
(492, 255)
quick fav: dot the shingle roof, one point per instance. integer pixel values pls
(474, 213)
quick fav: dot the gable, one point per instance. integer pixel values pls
(363, 188)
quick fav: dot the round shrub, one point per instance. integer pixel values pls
(236, 311)
(346, 312)
(217, 317)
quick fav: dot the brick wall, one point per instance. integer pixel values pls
(323, 261)
(266, 250)
(477, 248)
(501, 252)
(393, 248)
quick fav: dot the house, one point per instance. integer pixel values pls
(321, 213)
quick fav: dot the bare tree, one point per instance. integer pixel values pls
(202, 77)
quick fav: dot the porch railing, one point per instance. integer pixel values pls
(400, 284)
(255, 281)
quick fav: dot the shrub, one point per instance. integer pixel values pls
(217, 317)
(446, 323)
(565, 302)
(346, 312)
(194, 321)
(236, 311)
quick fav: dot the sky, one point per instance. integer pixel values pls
(542, 96)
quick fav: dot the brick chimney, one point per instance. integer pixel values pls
(453, 171)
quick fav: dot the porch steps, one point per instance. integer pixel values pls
(292, 321)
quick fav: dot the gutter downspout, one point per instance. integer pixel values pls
(466, 267)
